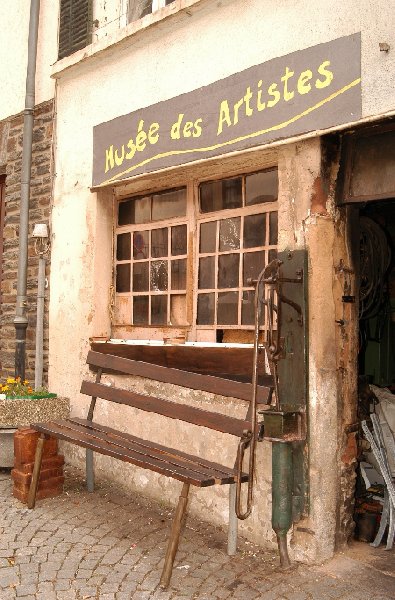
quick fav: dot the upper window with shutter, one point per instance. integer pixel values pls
(75, 26)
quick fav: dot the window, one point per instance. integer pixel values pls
(75, 26)
(185, 259)
(140, 8)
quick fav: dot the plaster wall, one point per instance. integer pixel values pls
(212, 42)
(15, 16)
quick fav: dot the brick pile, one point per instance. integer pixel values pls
(51, 476)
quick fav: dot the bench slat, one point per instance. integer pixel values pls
(195, 381)
(173, 410)
(176, 457)
(84, 437)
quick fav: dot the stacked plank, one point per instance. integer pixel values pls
(51, 475)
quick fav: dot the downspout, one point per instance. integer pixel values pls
(20, 320)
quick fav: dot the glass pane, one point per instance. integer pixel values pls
(123, 246)
(140, 310)
(227, 308)
(159, 242)
(228, 270)
(253, 263)
(140, 245)
(179, 274)
(123, 278)
(262, 187)
(140, 277)
(159, 275)
(254, 231)
(229, 234)
(138, 9)
(273, 228)
(219, 195)
(207, 237)
(207, 273)
(169, 204)
(179, 240)
(158, 310)
(272, 255)
(205, 309)
(178, 310)
(135, 210)
(247, 308)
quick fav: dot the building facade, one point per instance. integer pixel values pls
(195, 142)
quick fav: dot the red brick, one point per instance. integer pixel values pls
(41, 494)
(20, 478)
(25, 443)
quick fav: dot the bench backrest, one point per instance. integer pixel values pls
(174, 410)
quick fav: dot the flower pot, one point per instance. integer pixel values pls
(19, 412)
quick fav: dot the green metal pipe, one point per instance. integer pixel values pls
(282, 496)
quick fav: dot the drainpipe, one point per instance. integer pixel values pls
(20, 320)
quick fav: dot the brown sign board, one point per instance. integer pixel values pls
(312, 89)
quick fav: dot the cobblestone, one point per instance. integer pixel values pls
(108, 546)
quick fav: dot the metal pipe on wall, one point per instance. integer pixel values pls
(20, 320)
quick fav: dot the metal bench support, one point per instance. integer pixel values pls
(232, 528)
(90, 474)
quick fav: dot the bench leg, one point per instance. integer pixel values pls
(31, 499)
(232, 529)
(176, 527)
(90, 474)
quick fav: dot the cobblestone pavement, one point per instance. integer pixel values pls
(108, 546)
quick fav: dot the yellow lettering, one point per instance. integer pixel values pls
(109, 158)
(153, 135)
(176, 128)
(288, 74)
(247, 99)
(141, 137)
(236, 108)
(303, 86)
(224, 116)
(187, 129)
(119, 159)
(328, 75)
(273, 91)
(198, 129)
(132, 149)
(259, 104)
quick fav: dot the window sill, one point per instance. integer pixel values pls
(123, 35)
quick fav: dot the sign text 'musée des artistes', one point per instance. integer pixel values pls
(311, 89)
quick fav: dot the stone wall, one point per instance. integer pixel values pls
(11, 140)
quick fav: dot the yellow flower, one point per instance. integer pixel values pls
(25, 382)
(10, 380)
(5, 388)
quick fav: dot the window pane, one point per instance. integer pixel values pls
(140, 310)
(247, 308)
(159, 242)
(272, 255)
(140, 245)
(207, 237)
(205, 309)
(228, 270)
(138, 9)
(273, 227)
(253, 263)
(254, 231)
(158, 310)
(219, 195)
(179, 274)
(135, 210)
(140, 277)
(123, 246)
(262, 187)
(227, 308)
(178, 310)
(207, 273)
(159, 275)
(179, 240)
(169, 204)
(229, 234)
(123, 278)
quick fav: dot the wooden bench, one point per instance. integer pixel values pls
(187, 468)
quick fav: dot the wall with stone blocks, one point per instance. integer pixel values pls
(11, 140)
